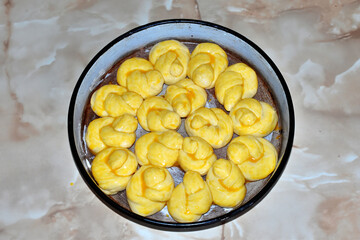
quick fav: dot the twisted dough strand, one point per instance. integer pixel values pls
(114, 101)
(138, 75)
(190, 199)
(239, 81)
(112, 169)
(171, 59)
(185, 97)
(196, 155)
(159, 148)
(211, 124)
(156, 114)
(207, 61)
(226, 183)
(253, 117)
(256, 157)
(111, 132)
(149, 189)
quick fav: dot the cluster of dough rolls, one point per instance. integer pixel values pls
(136, 100)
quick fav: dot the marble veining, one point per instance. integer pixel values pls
(47, 44)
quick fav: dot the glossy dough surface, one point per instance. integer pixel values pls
(114, 101)
(190, 199)
(171, 59)
(159, 148)
(239, 81)
(185, 97)
(138, 75)
(149, 189)
(211, 124)
(207, 61)
(156, 114)
(112, 169)
(196, 155)
(256, 157)
(111, 132)
(253, 117)
(150, 186)
(226, 183)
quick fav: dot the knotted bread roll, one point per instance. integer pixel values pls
(185, 97)
(207, 61)
(159, 148)
(111, 132)
(112, 169)
(171, 58)
(211, 124)
(149, 189)
(114, 101)
(256, 157)
(239, 81)
(138, 75)
(196, 155)
(190, 199)
(226, 183)
(252, 117)
(156, 114)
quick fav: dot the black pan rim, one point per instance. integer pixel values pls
(200, 225)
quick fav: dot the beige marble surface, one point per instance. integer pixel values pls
(46, 45)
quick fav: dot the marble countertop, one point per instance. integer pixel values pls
(47, 44)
